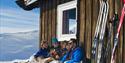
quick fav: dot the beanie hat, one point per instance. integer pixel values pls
(54, 40)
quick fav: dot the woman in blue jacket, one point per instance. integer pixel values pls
(74, 54)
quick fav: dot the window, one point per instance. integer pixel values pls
(67, 21)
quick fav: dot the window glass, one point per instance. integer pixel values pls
(69, 21)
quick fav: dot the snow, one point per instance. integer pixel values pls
(19, 45)
(19, 61)
(6, 62)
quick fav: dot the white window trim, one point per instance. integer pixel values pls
(60, 9)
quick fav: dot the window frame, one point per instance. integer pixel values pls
(60, 9)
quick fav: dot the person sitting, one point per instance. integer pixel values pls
(42, 55)
(55, 51)
(56, 48)
(64, 57)
(63, 48)
(74, 54)
(43, 51)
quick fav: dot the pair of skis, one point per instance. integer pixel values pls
(97, 44)
(111, 27)
(118, 31)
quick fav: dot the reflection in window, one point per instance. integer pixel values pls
(69, 21)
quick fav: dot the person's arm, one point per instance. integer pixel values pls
(37, 54)
(64, 58)
(77, 56)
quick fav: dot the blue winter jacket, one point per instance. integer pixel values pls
(42, 53)
(76, 55)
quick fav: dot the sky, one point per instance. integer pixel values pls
(14, 19)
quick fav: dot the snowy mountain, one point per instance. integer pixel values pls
(19, 45)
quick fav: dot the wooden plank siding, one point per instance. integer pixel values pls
(87, 18)
(123, 43)
(48, 18)
(90, 20)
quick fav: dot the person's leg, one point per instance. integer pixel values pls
(55, 61)
(41, 60)
(71, 62)
(44, 60)
(32, 60)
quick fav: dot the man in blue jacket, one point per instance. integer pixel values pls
(74, 55)
(43, 51)
(42, 56)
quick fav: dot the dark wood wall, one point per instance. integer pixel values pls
(48, 18)
(87, 19)
(88, 14)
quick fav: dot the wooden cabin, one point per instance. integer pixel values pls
(82, 18)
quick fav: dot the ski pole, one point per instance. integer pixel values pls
(117, 35)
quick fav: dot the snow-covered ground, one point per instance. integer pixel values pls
(6, 62)
(19, 45)
(19, 61)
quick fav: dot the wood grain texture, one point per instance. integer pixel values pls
(87, 18)
(82, 20)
